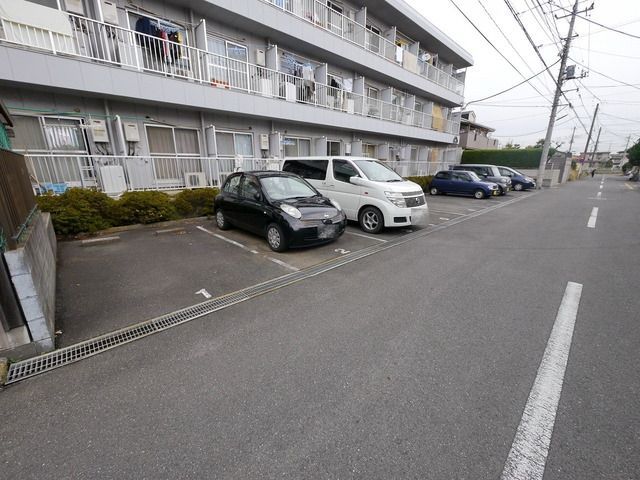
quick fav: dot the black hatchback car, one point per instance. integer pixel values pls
(281, 206)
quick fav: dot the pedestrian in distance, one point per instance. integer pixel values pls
(593, 172)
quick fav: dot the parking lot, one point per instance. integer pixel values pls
(157, 269)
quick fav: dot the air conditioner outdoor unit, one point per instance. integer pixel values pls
(195, 180)
(112, 179)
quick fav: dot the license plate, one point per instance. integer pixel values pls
(327, 231)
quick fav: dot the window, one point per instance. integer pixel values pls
(232, 144)
(232, 185)
(310, 169)
(333, 147)
(368, 150)
(443, 175)
(249, 188)
(28, 134)
(373, 38)
(228, 64)
(296, 147)
(167, 144)
(343, 171)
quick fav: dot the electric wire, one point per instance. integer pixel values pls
(603, 26)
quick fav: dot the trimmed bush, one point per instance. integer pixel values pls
(423, 181)
(145, 207)
(196, 203)
(78, 210)
(524, 158)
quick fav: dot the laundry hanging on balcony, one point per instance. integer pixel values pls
(165, 43)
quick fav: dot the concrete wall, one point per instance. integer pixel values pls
(33, 272)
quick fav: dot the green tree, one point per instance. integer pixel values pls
(634, 154)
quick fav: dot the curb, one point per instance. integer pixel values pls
(98, 241)
(178, 231)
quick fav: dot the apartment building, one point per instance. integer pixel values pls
(474, 135)
(167, 94)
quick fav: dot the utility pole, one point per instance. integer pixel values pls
(556, 97)
(593, 121)
(627, 145)
(595, 148)
(571, 142)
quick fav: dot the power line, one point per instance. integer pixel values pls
(608, 53)
(607, 76)
(620, 118)
(526, 80)
(601, 25)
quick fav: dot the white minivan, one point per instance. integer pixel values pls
(368, 191)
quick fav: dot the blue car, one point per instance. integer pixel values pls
(519, 180)
(462, 183)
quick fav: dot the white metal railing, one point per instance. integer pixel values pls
(323, 16)
(106, 43)
(56, 173)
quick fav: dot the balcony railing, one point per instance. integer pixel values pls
(126, 48)
(56, 173)
(323, 16)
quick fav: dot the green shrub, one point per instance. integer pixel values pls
(523, 158)
(626, 167)
(423, 181)
(145, 207)
(78, 210)
(196, 203)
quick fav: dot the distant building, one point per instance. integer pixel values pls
(473, 135)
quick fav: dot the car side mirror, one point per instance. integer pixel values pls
(356, 180)
(257, 196)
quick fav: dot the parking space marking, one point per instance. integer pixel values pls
(471, 209)
(530, 448)
(592, 219)
(283, 264)
(366, 236)
(444, 218)
(446, 212)
(599, 194)
(601, 187)
(204, 293)
(228, 240)
(629, 186)
(432, 224)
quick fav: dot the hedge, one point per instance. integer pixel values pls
(81, 210)
(514, 158)
(423, 181)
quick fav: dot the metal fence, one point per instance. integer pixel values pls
(114, 175)
(17, 202)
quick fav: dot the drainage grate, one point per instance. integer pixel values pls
(58, 358)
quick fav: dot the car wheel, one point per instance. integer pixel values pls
(479, 194)
(433, 191)
(275, 238)
(221, 221)
(517, 187)
(371, 220)
(503, 190)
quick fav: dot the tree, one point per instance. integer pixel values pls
(539, 143)
(633, 154)
(512, 146)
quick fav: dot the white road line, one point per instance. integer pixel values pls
(601, 187)
(599, 194)
(471, 209)
(366, 236)
(444, 218)
(432, 225)
(283, 264)
(628, 186)
(528, 454)
(592, 219)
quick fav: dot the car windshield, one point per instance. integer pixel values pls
(282, 188)
(377, 172)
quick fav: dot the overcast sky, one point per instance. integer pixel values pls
(521, 115)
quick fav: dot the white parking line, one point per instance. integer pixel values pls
(601, 187)
(228, 240)
(628, 186)
(366, 236)
(244, 247)
(283, 264)
(592, 219)
(444, 218)
(446, 212)
(599, 194)
(528, 454)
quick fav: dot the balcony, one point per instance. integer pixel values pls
(322, 16)
(109, 45)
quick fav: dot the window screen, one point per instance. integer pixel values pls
(224, 142)
(310, 169)
(28, 134)
(160, 140)
(187, 141)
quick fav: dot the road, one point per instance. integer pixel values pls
(415, 362)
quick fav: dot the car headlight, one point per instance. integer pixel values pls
(528, 179)
(335, 204)
(396, 198)
(289, 210)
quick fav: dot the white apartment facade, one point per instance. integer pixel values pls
(167, 94)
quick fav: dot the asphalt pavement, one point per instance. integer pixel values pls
(416, 362)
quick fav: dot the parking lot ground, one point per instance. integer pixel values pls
(143, 275)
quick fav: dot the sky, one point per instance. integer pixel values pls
(520, 116)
